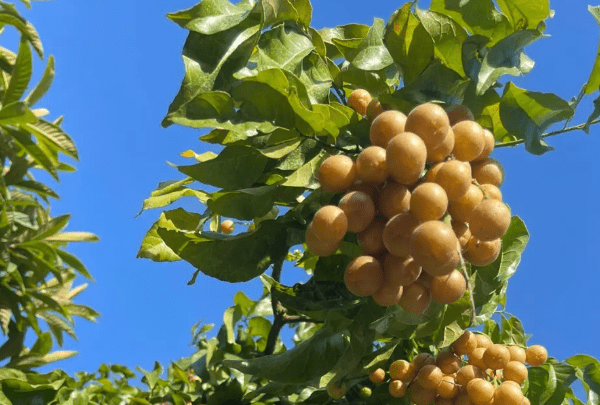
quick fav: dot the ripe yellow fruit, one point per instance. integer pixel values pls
(465, 344)
(363, 276)
(421, 396)
(443, 150)
(480, 391)
(400, 271)
(462, 232)
(388, 294)
(491, 191)
(429, 376)
(517, 354)
(359, 209)
(489, 220)
(461, 209)
(319, 246)
(480, 253)
(433, 245)
(406, 157)
(476, 358)
(415, 298)
(377, 376)
(337, 173)
(394, 199)
(515, 371)
(448, 362)
(488, 171)
(397, 234)
(402, 370)
(385, 126)
(374, 109)
(358, 100)
(458, 112)
(469, 140)
(371, 165)
(448, 289)
(432, 172)
(447, 387)
(489, 145)
(536, 355)
(467, 373)
(330, 223)
(483, 341)
(455, 177)
(430, 122)
(227, 226)
(428, 202)
(509, 394)
(397, 388)
(423, 359)
(371, 239)
(496, 356)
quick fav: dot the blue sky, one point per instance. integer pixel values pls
(118, 66)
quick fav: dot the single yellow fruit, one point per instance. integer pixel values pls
(358, 100)
(227, 226)
(363, 276)
(536, 355)
(337, 173)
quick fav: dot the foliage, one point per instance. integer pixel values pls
(36, 272)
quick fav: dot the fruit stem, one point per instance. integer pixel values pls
(463, 268)
(552, 133)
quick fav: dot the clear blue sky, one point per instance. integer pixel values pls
(118, 67)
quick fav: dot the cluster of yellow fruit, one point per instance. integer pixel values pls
(402, 216)
(493, 373)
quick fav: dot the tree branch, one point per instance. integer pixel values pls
(463, 268)
(547, 134)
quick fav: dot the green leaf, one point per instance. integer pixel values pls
(512, 332)
(479, 17)
(315, 75)
(211, 16)
(211, 60)
(593, 116)
(16, 113)
(447, 37)
(299, 11)
(26, 143)
(593, 82)
(234, 168)
(169, 192)
(525, 13)
(298, 365)
(205, 109)
(244, 204)
(73, 237)
(526, 114)
(26, 30)
(39, 188)
(234, 258)
(307, 175)
(21, 74)
(43, 85)
(74, 262)
(409, 43)
(47, 132)
(506, 57)
(52, 227)
(372, 54)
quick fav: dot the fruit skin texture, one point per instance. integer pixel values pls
(517, 354)
(388, 294)
(488, 146)
(469, 140)
(428, 202)
(476, 358)
(406, 157)
(432, 245)
(422, 359)
(387, 125)
(465, 344)
(508, 393)
(429, 376)
(449, 288)
(447, 388)
(455, 177)
(358, 100)
(400, 271)
(536, 355)
(461, 209)
(421, 396)
(496, 357)
(490, 220)
(488, 171)
(335, 392)
(397, 234)
(377, 376)
(467, 373)
(363, 276)
(443, 150)
(515, 371)
(330, 223)
(374, 109)
(402, 370)
(337, 173)
(319, 246)
(371, 239)
(359, 209)
(371, 166)
(415, 298)
(480, 391)
(448, 362)
(227, 226)
(480, 253)
(398, 388)
(394, 199)
(483, 341)
(430, 122)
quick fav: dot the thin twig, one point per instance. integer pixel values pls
(552, 133)
(323, 143)
(298, 319)
(463, 268)
(278, 313)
